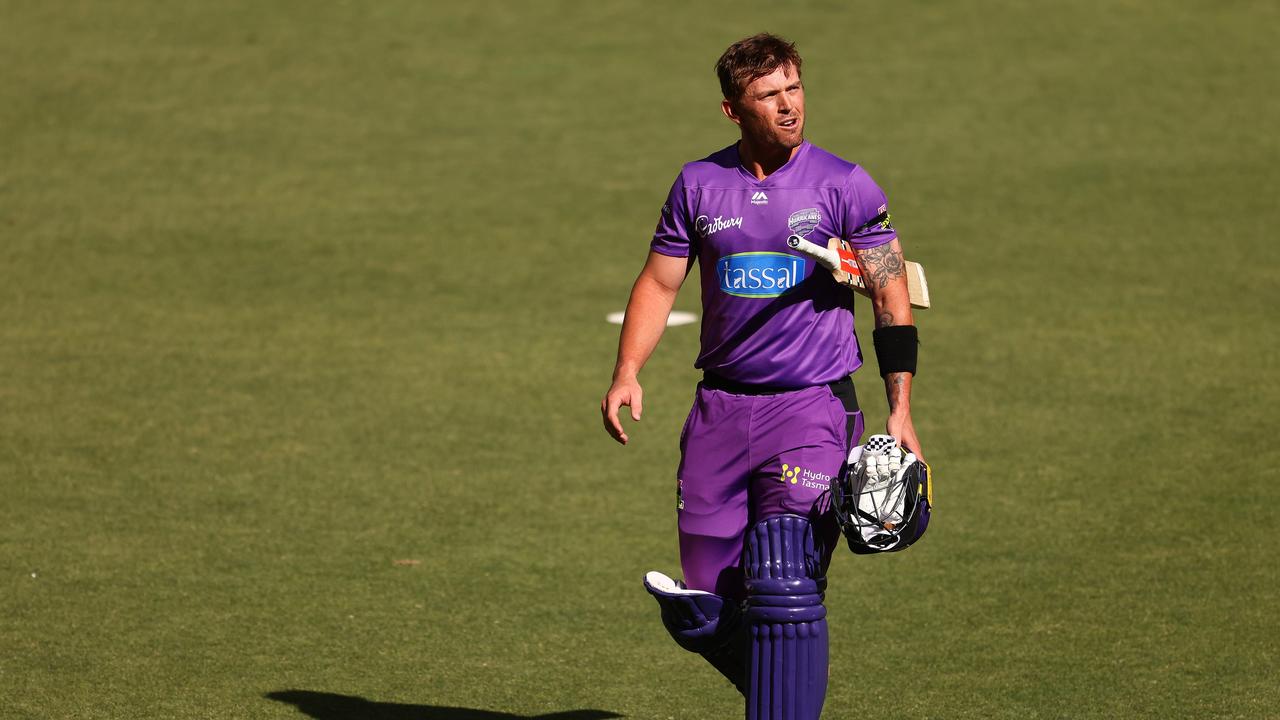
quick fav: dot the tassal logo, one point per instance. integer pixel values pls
(759, 274)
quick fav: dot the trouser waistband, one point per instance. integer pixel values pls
(841, 388)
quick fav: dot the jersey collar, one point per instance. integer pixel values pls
(777, 174)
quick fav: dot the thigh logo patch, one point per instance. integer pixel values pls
(797, 475)
(790, 474)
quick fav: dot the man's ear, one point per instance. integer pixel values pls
(727, 108)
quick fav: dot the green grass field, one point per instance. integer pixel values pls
(294, 293)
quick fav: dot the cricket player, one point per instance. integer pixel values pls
(776, 414)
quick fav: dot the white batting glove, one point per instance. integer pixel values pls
(879, 462)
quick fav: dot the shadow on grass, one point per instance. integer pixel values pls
(330, 706)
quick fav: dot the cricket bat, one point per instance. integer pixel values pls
(838, 257)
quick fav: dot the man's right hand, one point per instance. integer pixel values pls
(651, 299)
(624, 391)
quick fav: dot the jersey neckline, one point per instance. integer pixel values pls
(786, 167)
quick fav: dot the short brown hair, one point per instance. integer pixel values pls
(752, 58)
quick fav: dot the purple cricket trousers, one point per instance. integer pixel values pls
(746, 457)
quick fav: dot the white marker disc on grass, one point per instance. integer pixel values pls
(677, 317)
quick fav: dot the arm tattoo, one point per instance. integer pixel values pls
(883, 264)
(893, 385)
(884, 319)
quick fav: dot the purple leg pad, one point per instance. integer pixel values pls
(707, 624)
(786, 620)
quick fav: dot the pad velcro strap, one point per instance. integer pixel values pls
(896, 348)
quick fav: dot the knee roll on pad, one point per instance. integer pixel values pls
(703, 622)
(786, 620)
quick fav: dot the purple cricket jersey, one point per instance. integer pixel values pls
(770, 315)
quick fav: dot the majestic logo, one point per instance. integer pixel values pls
(802, 222)
(707, 227)
(759, 198)
(759, 274)
(795, 474)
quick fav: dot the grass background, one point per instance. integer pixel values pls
(292, 291)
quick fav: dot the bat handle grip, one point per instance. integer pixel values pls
(828, 259)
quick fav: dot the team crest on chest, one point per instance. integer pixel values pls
(803, 222)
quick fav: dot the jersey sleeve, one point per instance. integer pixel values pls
(866, 212)
(673, 235)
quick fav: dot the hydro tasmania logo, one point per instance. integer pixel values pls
(759, 274)
(759, 198)
(813, 480)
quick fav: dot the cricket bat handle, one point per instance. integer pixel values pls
(829, 259)
(844, 268)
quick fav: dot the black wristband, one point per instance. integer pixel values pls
(896, 347)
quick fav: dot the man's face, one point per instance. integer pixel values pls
(771, 110)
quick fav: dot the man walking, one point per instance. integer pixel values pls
(775, 414)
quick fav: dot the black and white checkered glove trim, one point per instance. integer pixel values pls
(878, 461)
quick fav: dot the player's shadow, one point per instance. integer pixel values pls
(331, 706)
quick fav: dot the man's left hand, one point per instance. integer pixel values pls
(900, 426)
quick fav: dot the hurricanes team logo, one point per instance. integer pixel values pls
(803, 222)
